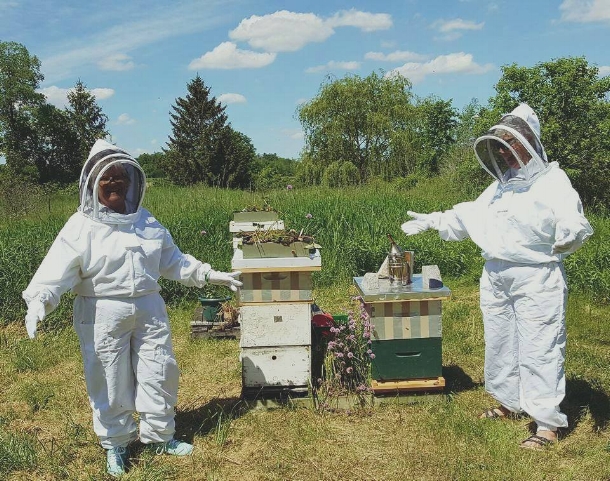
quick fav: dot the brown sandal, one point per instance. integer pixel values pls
(495, 413)
(539, 442)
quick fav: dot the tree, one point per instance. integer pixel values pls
(571, 101)
(270, 171)
(56, 144)
(86, 119)
(437, 123)
(198, 122)
(359, 120)
(232, 160)
(152, 164)
(19, 78)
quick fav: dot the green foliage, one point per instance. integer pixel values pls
(87, 122)
(269, 171)
(203, 148)
(438, 122)
(19, 195)
(37, 394)
(56, 152)
(19, 78)
(152, 164)
(17, 452)
(350, 223)
(571, 101)
(38, 140)
(356, 120)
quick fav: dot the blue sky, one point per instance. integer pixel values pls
(262, 58)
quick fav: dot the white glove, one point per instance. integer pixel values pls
(420, 223)
(228, 279)
(36, 312)
(566, 243)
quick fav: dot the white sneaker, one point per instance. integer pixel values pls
(174, 447)
(116, 458)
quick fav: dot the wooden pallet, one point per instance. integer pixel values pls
(408, 385)
(204, 330)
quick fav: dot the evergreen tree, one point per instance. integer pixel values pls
(198, 122)
(86, 120)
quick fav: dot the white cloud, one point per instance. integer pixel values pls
(446, 26)
(604, 71)
(56, 96)
(443, 64)
(294, 134)
(125, 119)
(281, 31)
(228, 56)
(102, 93)
(230, 98)
(585, 11)
(453, 29)
(116, 62)
(155, 24)
(285, 31)
(59, 96)
(332, 65)
(396, 56)
(388, 44)
(368, 22)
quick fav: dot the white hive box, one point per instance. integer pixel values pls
(276, 366)
(278, 324)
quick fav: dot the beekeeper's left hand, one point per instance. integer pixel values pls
(228, 279)
(36, 313)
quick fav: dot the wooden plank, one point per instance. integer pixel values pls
(437, 383)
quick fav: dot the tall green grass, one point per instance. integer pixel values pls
(350, 223)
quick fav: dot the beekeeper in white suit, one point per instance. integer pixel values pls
(525, 223)
(111, 254)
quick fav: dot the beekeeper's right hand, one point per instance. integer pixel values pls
(36, 313)
(420, 223)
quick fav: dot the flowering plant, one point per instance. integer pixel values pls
(346, 369)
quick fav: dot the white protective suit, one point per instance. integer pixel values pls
(525, 223)
(112, 262)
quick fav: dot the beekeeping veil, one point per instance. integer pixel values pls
(102, 157)
(511, 151)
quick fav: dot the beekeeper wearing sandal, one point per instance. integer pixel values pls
(111, 253)
(525, 223)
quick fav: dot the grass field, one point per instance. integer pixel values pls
(45, 419)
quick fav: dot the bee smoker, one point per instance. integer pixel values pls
(400, 265)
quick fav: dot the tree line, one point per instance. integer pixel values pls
(357, 129)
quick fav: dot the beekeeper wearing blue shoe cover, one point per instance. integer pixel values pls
(525, 223)
(111, 254)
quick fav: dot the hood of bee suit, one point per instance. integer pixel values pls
(511, 151)
(103, 156)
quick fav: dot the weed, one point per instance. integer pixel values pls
(17, 452)
(37, 394)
